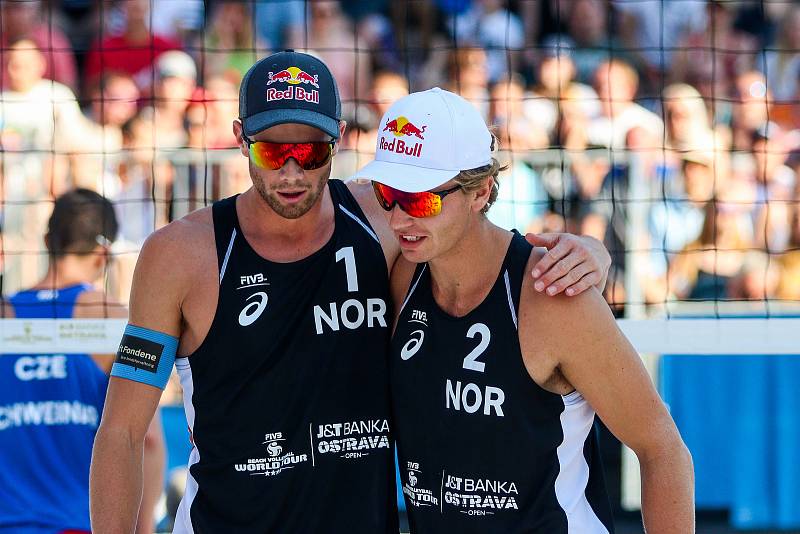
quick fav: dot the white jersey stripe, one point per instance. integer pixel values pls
(359, 221)
(227, 256)
(183, 520)
(413, 287)
(577, 421)
(510, 300)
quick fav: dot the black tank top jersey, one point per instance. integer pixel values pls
(287, 398)
(482, 447)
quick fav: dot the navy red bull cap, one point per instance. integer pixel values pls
(289, 87)
(425, 139)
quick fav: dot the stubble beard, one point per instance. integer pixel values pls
(294, 211)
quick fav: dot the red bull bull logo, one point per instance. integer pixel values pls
(402, 127)
(294, 78)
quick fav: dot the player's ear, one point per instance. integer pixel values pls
(342, 128)
(481, 195)
(238, 132)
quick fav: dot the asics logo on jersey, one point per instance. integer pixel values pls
(253, 311)
(412, 345)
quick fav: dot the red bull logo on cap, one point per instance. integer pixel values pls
(401, 127)
(293, 76)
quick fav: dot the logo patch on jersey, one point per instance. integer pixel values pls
(276, 460)
(480, 496)
(252, 280)
(139, 353)
(253, 311)
(412, 345)
(353, 439)
(415, 495)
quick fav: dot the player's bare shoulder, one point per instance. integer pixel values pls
(362, 191)
(181, 249)
(176, 263)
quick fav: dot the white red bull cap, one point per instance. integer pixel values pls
(426, 139)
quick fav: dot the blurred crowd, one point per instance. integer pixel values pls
(693, 101)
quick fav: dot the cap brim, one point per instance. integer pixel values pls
(408, 178)
(267, 119)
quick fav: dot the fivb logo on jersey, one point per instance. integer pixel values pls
(257, 302)
(418, 496)
(276, 460)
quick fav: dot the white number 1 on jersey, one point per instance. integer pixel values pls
(349, 257)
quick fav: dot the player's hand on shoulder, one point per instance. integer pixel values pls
(571, 265)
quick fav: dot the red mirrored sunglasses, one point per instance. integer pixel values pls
(422, 204)
(273, 156)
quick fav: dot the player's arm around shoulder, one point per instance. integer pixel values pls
(377, 216)
(578, 339)
(164, 274)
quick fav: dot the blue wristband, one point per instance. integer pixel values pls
(145, 356)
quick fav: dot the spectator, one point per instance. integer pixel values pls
(27, 20)
(468, 77)
(521, 199)
(555, 78)
(209, 114)
(781, 63)
(140, 187)
(281, 24)
(653, 29)
(134, 51)
(704, 268)
(587, 22)
(512, 127)
(712, 55)
(178, 19)
(686, 119)
(332, 37)
(616, 83)
(40, 123)
(499, 31)
(176, 80)
(752, 104)
(758, 278)
(40, 114)
(387, 88)
(230, 45)
(775, 186)
(677, 220)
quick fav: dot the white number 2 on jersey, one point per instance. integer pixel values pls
(471, 361)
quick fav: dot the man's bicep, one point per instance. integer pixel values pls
(159, 282)
(597, 359)
(129, 407)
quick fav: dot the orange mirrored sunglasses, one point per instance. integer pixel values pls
(422, 204)
(273, 156)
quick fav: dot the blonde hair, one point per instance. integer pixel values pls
(472, 179)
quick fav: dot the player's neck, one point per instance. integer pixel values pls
(280, 239)
(65, 272)
(463, 277)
